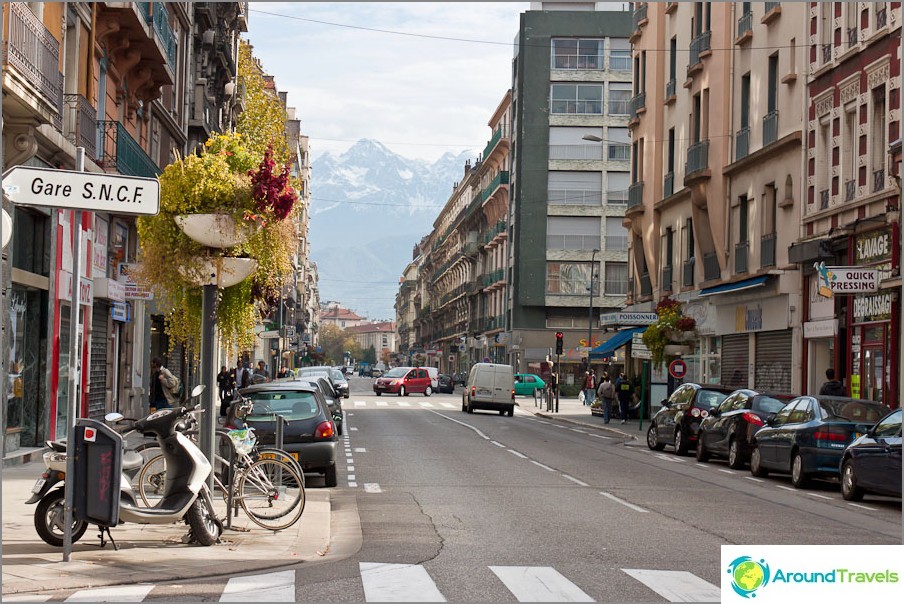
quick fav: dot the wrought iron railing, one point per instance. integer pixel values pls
(667, 278)
(635, 194)
(619, 106)
(617, 198)
(850, 189)
(711, 268)
(646, 288)
(745, 23)
(878, 180)
(770, 127)
(741, 253)
(824, 199)
(578, 62)
(638, 102)
(852, 36)
(120, 152)
(670, 88)
(144, 9)
(639, 14)
(881, 18)
(164, 32)
(688, 273)
(697, 157)
(742, 143)
(770, 6)
(767, 250)
(698, 46)
(81, 123)
(502, 178)
(497, 136)
(668, 184)
(826, 53)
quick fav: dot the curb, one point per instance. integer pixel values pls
(566, 419)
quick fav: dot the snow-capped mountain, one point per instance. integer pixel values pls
(369, 206)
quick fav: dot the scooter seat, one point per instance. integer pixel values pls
(131, 460)
(59, 447)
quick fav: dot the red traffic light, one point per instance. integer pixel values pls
(559, 335)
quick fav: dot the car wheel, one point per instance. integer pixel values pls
(756, 467)
(402, 391)
(464, 407)
(798, 478)
(735, 460)
(502, 412)
(470, 409)
(702, 454)
(428, 391)
(378, 393)
(653, 439)
(511, 411)
(329, 477)
(680, 443)
(849, 489)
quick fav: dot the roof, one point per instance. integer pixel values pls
(339, 313)
(382, 327)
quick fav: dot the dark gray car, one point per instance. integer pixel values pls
(335, 376)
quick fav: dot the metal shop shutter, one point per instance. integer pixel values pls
(97, 376)
(773, 361)
(735, 359)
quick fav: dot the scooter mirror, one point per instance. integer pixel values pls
(197, 390)
(113, 417)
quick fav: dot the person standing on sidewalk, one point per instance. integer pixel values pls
(607, 395)
(589, 388)
(623, 390)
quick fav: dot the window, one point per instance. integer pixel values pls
(669, 247)
(572, 232)
(616, 234)
(569, 143)
(619, 54)
(577, 54)
(689, 239)
(619, 98)
(673, 57)
(849, 153)
(617, 187)
(878, 136)
(568, 278)
(619, 144)
(577, 99)
(575, 188)
(616, 278)
(696, 119)
(670, 166)
(745, 101)
(742, 219)
(770, 202)
(31, 251)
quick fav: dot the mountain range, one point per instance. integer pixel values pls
(369, 207)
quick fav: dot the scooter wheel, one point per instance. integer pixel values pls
(49, 520)
(205, 527)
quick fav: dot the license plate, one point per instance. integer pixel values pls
(38, 485)
(273, 456)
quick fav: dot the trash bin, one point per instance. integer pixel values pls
(98, 470)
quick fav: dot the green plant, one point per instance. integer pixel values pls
(670, 320)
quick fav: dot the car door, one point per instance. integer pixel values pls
(718, 428)
(766, 439)
(678, 403)
(876, 461)
(804, 411)
(423, 380)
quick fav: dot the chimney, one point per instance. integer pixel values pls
(467, 167)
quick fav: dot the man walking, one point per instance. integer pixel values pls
(163, 386)
(832, 387)
(589, 388)
(623, 391)
(607, 395)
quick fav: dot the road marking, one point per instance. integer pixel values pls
(754, 479)
(382, 404)
(539, 584)
(540, 421)
(372, 487)
(352, 485)
(786, 488)
(350, 468)
(426, 404)
(353, 429)
(398, 583)
(545, 467)
(863, 507)
(579, 431)
(403, 404)
(498, 444)
(124, 593)
(269, 587)
(701, 465)
(665, 457)
(521, 455)
(636, 508)
(448, 405)
(26, 598)
(601, 436)
(726, 471)
(360, 403)
(820, 496)
(575, 480)
(351, 477)
(360, 450)
(479, 433)
(677, 585)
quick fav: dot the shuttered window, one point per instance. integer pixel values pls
(735, 358)
(773, 361)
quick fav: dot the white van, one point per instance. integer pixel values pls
(490, 386)
(433, 372)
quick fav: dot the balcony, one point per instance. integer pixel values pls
(670, 89)
(697, 159)
(81, 123)
(502, 178)
(688, 273)
(711, 268)
(770, 6)
(666, 278)
(639, 17)
(164, 33)
(120, 152)
(575, 197)
(35, 54)
(741, 253)
(824, 199)
(881, 18)
(668, 185)
(742, 143)
(767, 250)
(826, 53)
(852, 36)
(773, 10)
(745, 24)
(635, 195)
(850, 189)
(494, 140)
(699, 45)
(638, 102)
(770, 127)
(878, 180)
(646, 288)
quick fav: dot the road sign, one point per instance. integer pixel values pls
(90, 191)
(677, 369)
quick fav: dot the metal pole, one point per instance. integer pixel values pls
(645, 375)
(4, 351)
(208, 345)
(590, 309)
(280, 429)
(558, 379)
(74, 365)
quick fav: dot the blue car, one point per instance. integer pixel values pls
(808, 436)
(872, 463)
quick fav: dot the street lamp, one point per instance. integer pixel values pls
(592, 137)
(590, 308)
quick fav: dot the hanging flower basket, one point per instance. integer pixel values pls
(220, 271)
(215, 230)
(676, 349)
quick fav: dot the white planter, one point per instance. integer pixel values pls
(7, 227)
(220, 271)
(673, 349)
(214, 230)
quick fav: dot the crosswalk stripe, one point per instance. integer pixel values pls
(25, 598)
(372, 487)
(398, 583)
(360, 403)
(448, 405)
(124, 593)
(539, 584)
(404, 404)
(677, 585)
(426, 404)
(269, 587)
(382, 404)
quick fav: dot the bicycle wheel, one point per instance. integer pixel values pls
(279, 455)
(152, 481)
(272, 494)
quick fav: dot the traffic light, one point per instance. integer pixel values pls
(559, 344)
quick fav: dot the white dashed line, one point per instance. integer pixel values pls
(382, 404)
(448, 405)
(498, 444)
(517, 454)
(636, 508)
(360, 450)
(545, 467)
(754, 479)
(360, 403)
(820, 496)
(726, 471)
(353, 429)
(863, 507)
(479, 433)
(352, 484)
(350, 468)
(351, 477)
(404, 404)
(786, 488)
(601, 436)
(575, 480)
(426, 404)
(702, 465)
(372, 487)
(578, 431)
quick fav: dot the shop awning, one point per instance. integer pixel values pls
(737, 286)
(615, 342)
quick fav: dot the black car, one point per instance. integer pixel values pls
(332, 398)
(729, 429)
(309, 434)
(808, 436)
(335, 375)
(445, 384)
(872, 463)
(679, 419)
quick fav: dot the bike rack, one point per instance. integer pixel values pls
(223, 435)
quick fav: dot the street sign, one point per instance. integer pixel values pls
(677, 369)
(628, 318)
(90, 191)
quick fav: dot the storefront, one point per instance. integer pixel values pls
(820, 331)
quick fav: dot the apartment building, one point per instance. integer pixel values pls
(381, 336)
(570, 164)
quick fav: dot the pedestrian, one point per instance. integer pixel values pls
(283, 371)
(164, 386)
(241, 375)
(260, 373)
(226, 384)
(606, 391)
(832, 387)
(623, 391)
(589, 388)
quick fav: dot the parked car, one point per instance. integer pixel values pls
(309, 435)
(678, 421)
(729, 429)
(332, 398)
(446, 384)
(375, 372)
(528, 383)
(808, 436)
(872, 463)
(337, 377)
(403, 381)
(490, 386)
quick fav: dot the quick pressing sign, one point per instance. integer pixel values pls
(846, 280)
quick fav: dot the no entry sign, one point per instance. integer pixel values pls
(677, 369)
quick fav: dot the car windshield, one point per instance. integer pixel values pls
(767, 404)
(290, 404)
(396, 372)
(707, 399)
(855, 411)
(337, 375)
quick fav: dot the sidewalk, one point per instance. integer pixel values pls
(572, 411)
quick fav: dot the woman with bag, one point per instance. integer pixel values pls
(607, 395)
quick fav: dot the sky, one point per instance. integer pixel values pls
(419, 96)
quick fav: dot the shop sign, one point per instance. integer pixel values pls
(872, 308)
(99, 247)
(120, 311)
(109, 289)
(872, 247)
(846, 279)
(639, 350)
(820, 306)
(133, 290)
(628, 318)
(827, 328)
(85, 289)
(266, 335)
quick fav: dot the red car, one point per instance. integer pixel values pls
(404, 380)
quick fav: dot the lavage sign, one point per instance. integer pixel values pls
(823, 573)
